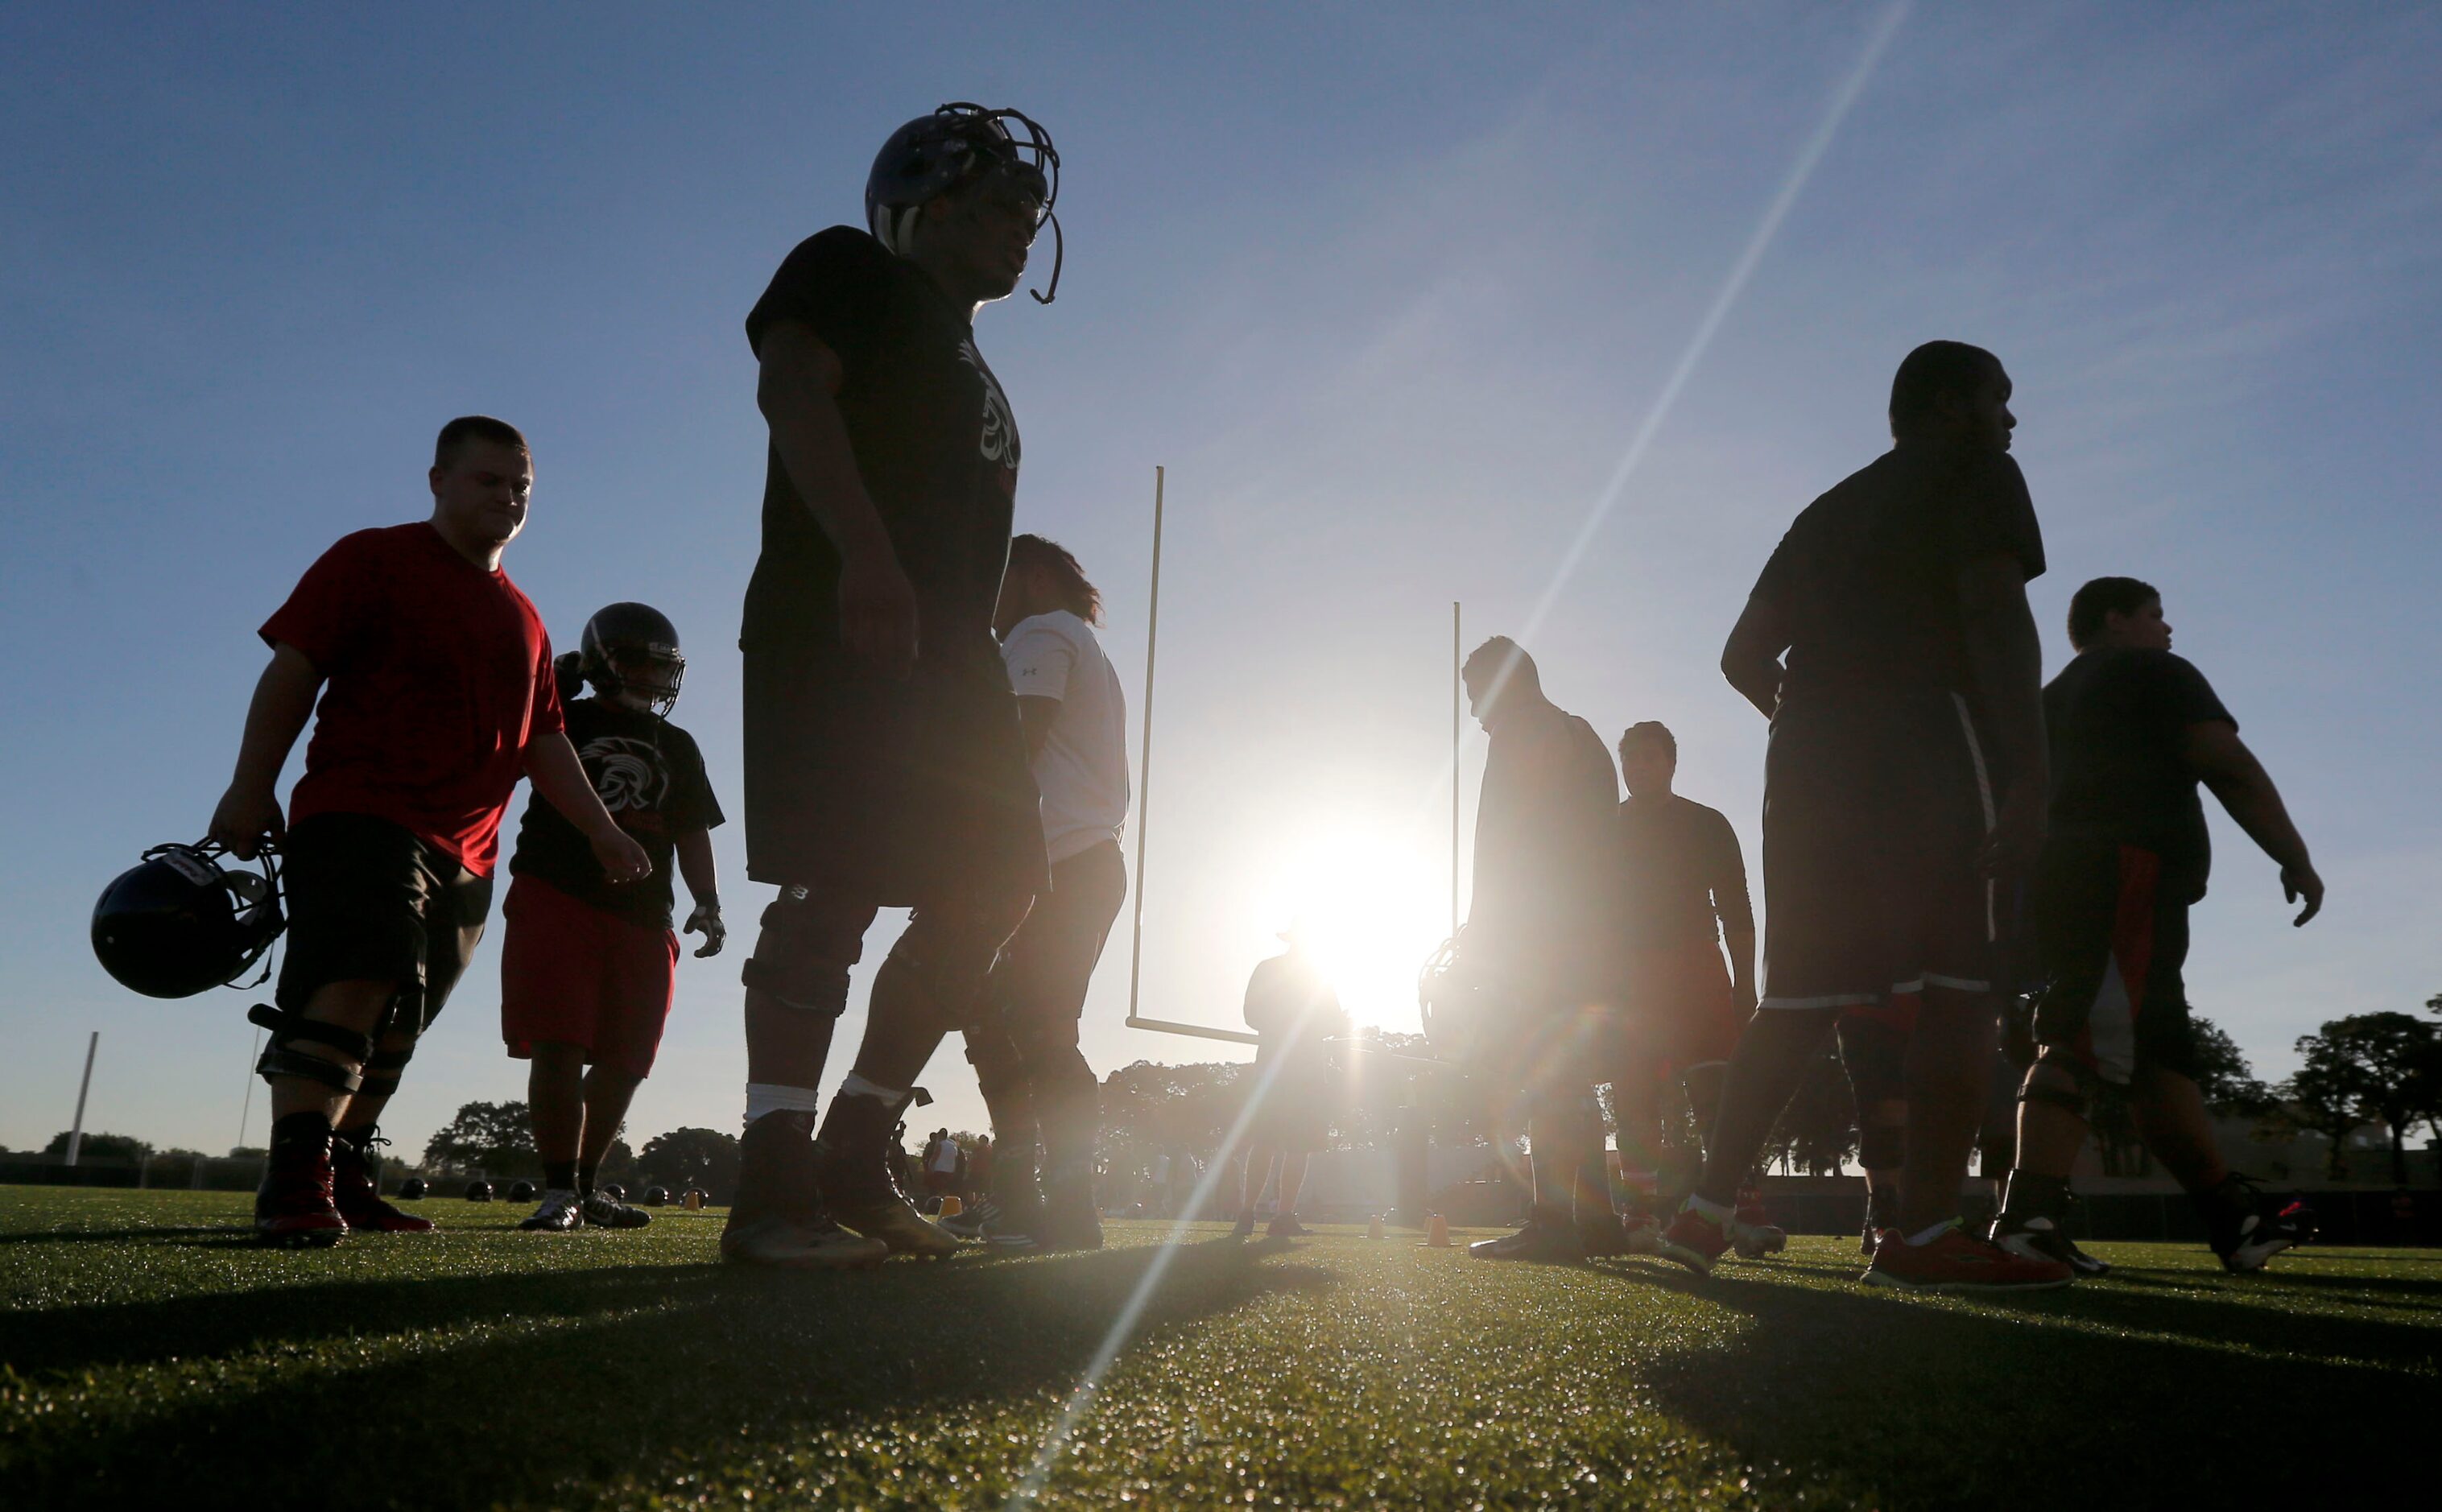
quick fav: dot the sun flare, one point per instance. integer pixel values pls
(1372, 903)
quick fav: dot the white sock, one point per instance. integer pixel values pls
(1719, 1212)
(858, 1086)
(1929, 1235)
(774, 1097)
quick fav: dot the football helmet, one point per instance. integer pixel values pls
(638, 635)
(178, 922)
(957, 142)
(1462, 1009)
(479, 1192)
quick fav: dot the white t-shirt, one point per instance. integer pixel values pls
(1082, 769)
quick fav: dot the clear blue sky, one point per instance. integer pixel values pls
(1390, 291)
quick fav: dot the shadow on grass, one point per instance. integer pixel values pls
(752, 1361)
(120, 1236)
(1915, 1405)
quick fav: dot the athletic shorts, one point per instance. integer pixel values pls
(1683, 1012)
(1873, 1048)
(367, 902)
(571, 974)
(1038, 982)
(2113, 941)
(1875, 807)
(896, 792)
(1296, 1112)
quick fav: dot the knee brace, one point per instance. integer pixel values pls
(2044, 1079)
(382, 1071)
(287, 1028)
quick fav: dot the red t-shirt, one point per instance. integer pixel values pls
(438, 673)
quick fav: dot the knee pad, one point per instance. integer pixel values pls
(944, 962)
(1882, 1146)
(289, 1028)
(2043, 1084)
(803, 953)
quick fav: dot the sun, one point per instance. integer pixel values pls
(1371, 904)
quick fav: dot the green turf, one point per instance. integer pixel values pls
(152, 1355)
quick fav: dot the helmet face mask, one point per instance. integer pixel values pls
(179, 923)
(957, 145)
(632, 649)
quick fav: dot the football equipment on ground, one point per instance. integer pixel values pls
(479, 1192)
(411, 1189)
(558, 1213)
(1751, 1233)
(958, 144)
(613, 1191)
(179, 922)
(521, 1192)
(1463, 1009)
(633, 647)
(603, 1210)
(1694, 1241)
(1958, 1261)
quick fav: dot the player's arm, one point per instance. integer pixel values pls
(703, 886)
(798, 392)
(2222, 762)
(283, 701)
(559, 779)
(1736, 911)
(2006, 656)
(1036, 713)
(1751, 656)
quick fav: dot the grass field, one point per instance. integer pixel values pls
(150, 1354)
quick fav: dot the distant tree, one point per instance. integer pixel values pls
(2224, 1075)
(497, 1138)
(682, 1158)
(1818, 1129)
(101, 1147)
(2380, 1068)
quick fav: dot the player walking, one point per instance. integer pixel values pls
(885, 763)
(2134, 729)
(1024, 1047)
(436, 696)
(587, 966)
(1296, 1011)
(1540, 924)
(1683, 895)
(1912, 682)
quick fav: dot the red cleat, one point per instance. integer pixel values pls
(1959, 1262)
(1694, 1241)
(359, 1202)
(1752, 1233)
(293, 1209)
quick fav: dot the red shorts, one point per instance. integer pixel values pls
(1683, 1012)
(571, 974)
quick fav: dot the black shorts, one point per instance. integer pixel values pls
(899, 792)
(1875, 808)
(2111, 935)
(1874, 1049)
(367, 902)
(1040, 978)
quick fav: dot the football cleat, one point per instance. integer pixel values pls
(852, 1172)
(1244, 1227)
(603, 1210)
(2038, 1238)
(1694, 1241)
(359, 1201)
(1551, 1244)
(1958, 1260)
(775, 1239)
(293, 1209)
(560, 1212)
(1751, 1235)
(1286, 1227)
(2248, 1228)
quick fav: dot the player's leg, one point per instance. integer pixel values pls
(640, 979)
(1012, 1209)
(1873, 1051)
(1052, 966)
(556, 1104)
(796, 988)
(929, 985)
(1254, 1170)
(1285, 1224)
(1563, 1126)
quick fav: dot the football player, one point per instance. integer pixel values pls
(437, 694)
(885, 764)
(588, 965)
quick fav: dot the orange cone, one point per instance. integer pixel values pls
(1373, 1227)
(951, 1208)
(1436, 1232)
(695, 1202)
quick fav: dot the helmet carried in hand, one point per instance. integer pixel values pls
(178, 922)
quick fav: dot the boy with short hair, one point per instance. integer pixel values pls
(589, 966)
(436, 691)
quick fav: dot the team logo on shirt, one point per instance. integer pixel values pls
(1000, 439)
(628, 773)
